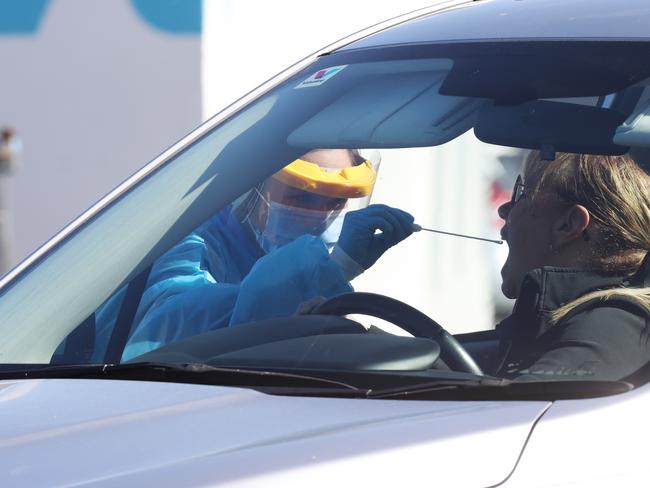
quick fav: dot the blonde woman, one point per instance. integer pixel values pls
(578, 231)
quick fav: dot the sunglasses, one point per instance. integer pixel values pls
(518, 190)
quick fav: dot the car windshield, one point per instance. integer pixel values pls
(293, 234)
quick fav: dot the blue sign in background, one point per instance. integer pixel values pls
(177, 16)
(21, 16)
(24, 17)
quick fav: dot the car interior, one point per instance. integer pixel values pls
(596, 99)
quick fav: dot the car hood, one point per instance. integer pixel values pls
(61, 432)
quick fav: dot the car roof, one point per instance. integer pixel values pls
(483, 20)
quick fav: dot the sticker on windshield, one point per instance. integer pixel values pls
(321, 76)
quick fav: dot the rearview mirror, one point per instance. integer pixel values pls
(551, 126)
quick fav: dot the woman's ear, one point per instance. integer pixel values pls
(570, 225)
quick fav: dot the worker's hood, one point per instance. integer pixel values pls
(128, 433)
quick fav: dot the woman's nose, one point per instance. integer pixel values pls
(504, 210)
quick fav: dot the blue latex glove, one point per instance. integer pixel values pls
(287, 277)
(359, 240)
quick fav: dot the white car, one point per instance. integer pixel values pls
(316, 399)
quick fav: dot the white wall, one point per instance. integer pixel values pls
(246, 42)
(94, 94)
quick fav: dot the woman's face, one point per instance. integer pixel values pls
(528, 232)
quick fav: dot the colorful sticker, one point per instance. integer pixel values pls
(321, 76)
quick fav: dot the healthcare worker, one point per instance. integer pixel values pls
(269, 252)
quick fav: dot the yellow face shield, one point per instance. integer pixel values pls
(352, 182)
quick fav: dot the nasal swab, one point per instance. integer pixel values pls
(418, 228)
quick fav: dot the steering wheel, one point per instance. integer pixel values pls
(407, 318)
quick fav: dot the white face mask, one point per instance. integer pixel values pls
(285, 223)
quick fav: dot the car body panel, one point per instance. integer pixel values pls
(80, 432)
(520, 19)
(605, 445)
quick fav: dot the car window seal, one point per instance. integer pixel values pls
(185, 373)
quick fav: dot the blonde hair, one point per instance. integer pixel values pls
(616, 192)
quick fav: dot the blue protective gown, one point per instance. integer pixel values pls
(216, 277)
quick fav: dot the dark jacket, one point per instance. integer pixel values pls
(600, 340)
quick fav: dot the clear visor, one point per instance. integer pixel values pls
(291, 212)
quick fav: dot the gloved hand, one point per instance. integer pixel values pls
(359, 240)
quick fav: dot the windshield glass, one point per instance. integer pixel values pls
(387, 172)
